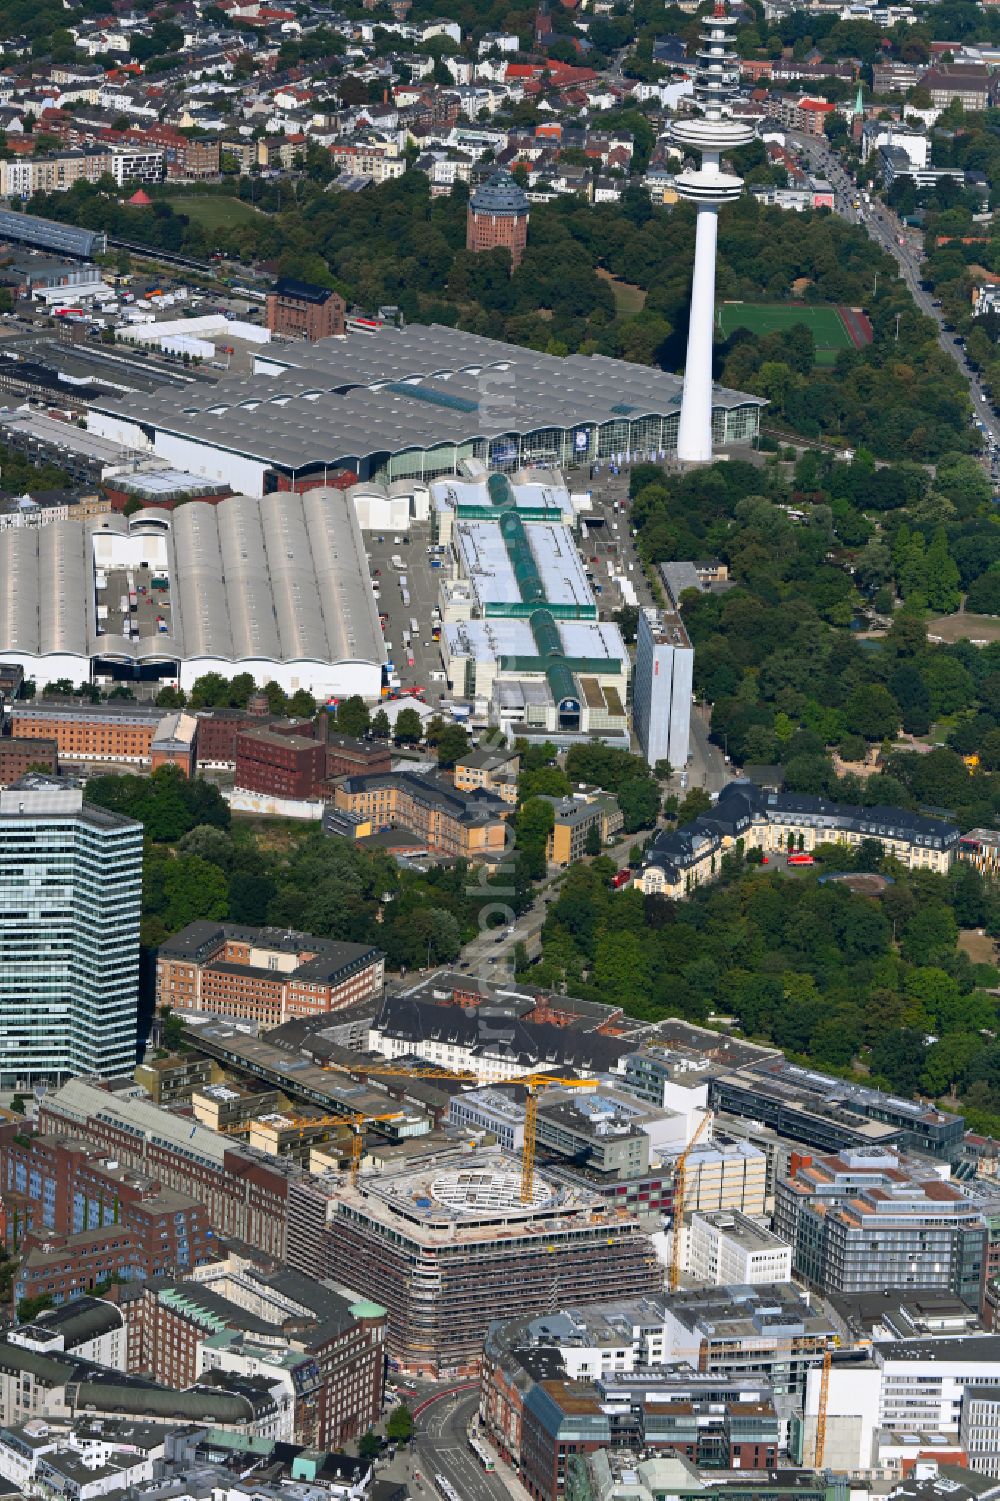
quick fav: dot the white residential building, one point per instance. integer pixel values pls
(86, 1328)
(721, 1178)
(442, 27)
(879, 133)
(22, 510)
(44, 1459)
(661, 687)
(732, 1249)
(138, 164)
(906, 1388)
(498, 41)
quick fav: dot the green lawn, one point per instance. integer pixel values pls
(628, 297)
(212, 211)
(827, 326)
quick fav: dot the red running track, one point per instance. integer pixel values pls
(858, 326)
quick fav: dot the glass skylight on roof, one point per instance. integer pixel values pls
(434, 398)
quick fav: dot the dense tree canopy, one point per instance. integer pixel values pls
(902, 396)
(789, 679)
(812, 968)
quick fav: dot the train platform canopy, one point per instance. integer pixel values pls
(413, 402)
(49, 234)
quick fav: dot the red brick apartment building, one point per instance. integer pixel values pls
(244, 1197)
(218, 729)
(183, 156)
(300, 310)
(347, 756)
(18, 755)
(78, 1219)
(118, 731)
(267, 975)
(341, 1339)
(277, 765)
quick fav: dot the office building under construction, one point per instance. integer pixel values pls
(449, 1246)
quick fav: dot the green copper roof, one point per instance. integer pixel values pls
(364, 1309)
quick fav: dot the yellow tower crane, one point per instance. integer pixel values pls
(531, 1082)
(794, 1347)
(357, 1122)
(680, 1174)
(304, 1123)
(824, 1400)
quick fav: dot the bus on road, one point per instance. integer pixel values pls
(482, 1454)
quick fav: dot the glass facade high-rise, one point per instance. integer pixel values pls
(871, 1218)
(70, 890)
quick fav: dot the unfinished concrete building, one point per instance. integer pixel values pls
(448, 1246)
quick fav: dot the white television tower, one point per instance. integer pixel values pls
(711, 133)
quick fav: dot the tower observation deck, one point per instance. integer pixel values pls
(710, 134)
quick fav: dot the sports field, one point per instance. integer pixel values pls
(213, 210)
(833, 328)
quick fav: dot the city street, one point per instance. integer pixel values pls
(882, 225)
(491, 955)
(707, 766)
(441, 1448)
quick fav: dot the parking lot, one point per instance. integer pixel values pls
(422, 583)
(609, 541)
(31, 328)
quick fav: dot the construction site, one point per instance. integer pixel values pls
(444, 1229)
(446, 1247)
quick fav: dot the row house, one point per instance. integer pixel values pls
(121, 100)
(183, 156)
(51, 174)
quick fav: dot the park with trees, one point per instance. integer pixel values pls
(396, 244)
(874, 986)
(201, 864)
(819, 653)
